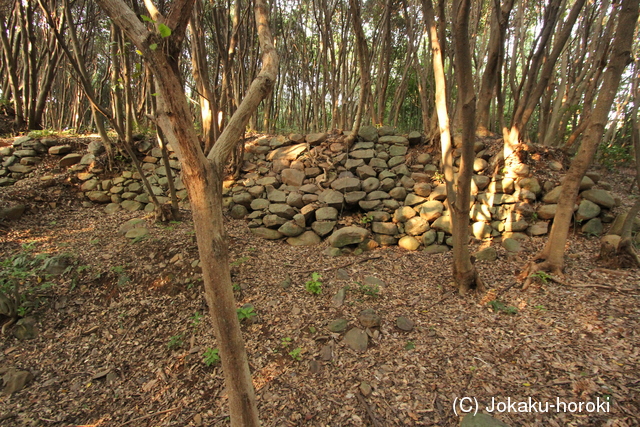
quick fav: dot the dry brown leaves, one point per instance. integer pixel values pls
(103, 356)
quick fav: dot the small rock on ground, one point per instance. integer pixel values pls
(481, 420)
(357, 339)
(404, 323)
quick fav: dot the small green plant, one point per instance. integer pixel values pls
(366, 219)
(82, 268)
(410, 345)
(196, 319)
(36, 134)
(312, 329)
(438, 177)
(23, 274)
(139, 239)
(285, 341)
(612, 156)
(540, 307)
(236, 287)
(175, 342)
(239, 261)
(314, 286)
(295, 354)
(123, 278)
(542, 276)
(499, 306)
(370, 290)
(245, 313)
(211, 356)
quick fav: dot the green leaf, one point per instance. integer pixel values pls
(164, 30)
(145, 18)
(153, 46)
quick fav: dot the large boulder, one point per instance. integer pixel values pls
(316, 138)
(308, 238)
(600, 197)
(431, 210)
(267, 233)
(290, 152)
(368, 133)
(351, 235)
(587, 210)
(292, 177)
(12, 212)
(346, 184)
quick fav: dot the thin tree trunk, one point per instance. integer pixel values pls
(203, 178)
(464, 272)
(553, 252)
(535, 87)
(495, 57)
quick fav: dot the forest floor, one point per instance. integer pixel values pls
(123, 332)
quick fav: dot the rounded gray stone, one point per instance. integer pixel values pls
(338, 325)
(308, 238)
(404, 323)
(136, 233)
(369, 318)
(348, 236)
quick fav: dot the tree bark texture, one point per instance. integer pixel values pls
(464, 272)
(553, 252)
(203, 178)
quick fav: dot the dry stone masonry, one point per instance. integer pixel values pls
(301, 190)
(384, 190)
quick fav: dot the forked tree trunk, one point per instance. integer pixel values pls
(552, 255)
(534, 88)
(495, 57)
(203, 179)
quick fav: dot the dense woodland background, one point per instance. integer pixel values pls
(54, 52)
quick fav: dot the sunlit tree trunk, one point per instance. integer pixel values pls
(536, 83)
(363, 59)
(458, 190)
(208, 104)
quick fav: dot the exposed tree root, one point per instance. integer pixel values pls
(471, 282)
(529, 272)
(618, 253)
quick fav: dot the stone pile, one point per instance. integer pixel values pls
(297, 189)
(125, 191)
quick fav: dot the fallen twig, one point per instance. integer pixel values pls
(599, 286)
(339, 266)
(502, 291)
(144, 417)
(609, 271)
(440, 300)
(370, 413)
